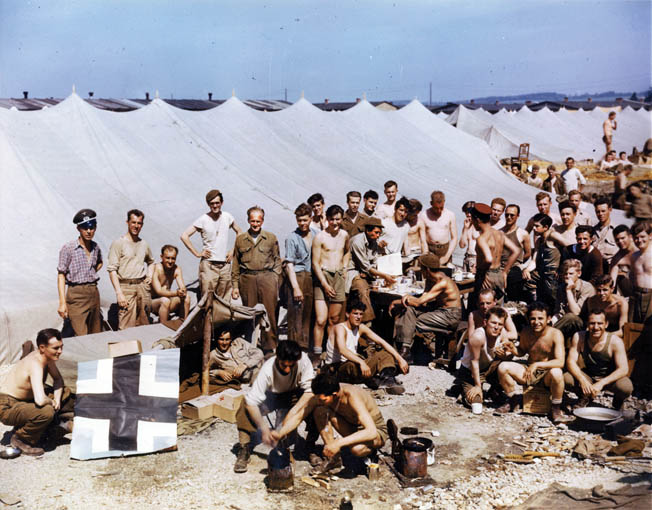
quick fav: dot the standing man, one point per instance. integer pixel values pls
(541, 273)
(79, 262)
(620, 263)
(554, 183)
(543, 202)
(603, 231)
(619, 198)
(544, 346)
(497, 208)
(364, 254)
(330, 255)
(26, 403)
(586, 253)
(370, 201)
(129, 259)
(256, 270)
(572, 177)
(396, 228)
(582, 217)
(215, 256)
(514, 285)
(440, 231)
(386, 210)
(533, 178)
(298, 267)
(608, 128)
(439, 307)
(414, 233)
(640, 304)
(353, 221)
(164, 299)
(564, 235)
(468, 238)
(319, 222)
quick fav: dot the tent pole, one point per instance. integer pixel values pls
(208, 333)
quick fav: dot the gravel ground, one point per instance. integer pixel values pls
(468, 472)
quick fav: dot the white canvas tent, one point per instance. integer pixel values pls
(163, 160)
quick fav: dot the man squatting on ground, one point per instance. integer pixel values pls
(376, 367)
(298, 267)
(128, 267)
(29, 405)
(544, 346)
(255, 271)
(614, 307)
(79, 262)
(439, 307)
(605, 363)
(330, 256)
(164, 299)
(283, 380)
(215, 256)
(338, 407)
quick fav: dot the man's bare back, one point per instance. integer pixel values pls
(494, 240)
(449, 294)
(330, 250)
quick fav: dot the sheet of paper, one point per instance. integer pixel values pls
(390, 264)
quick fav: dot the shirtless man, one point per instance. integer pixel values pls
(319, 221)
(608, 128)
(330, 254)
(564, 235)
(352, 220)
(619, 198)
(370, 200)
(543, 206)
(468, 238)
(489, 248)
(346, 409)
(582, 217)
(376, 367)
(386, 210)
(605, 363)
(620, 263)
(497, 209)
(486, 301)
(26, 403)
(544, 346)
(414, 233)
(614, 307)
(164, 299)
(640, 303)
(440, 231)
(439, 307)
(488, 345)
(520, 237)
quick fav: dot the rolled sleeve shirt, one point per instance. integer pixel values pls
(605, 241)
(364, 254)
(129, 259)
(76, 266)
(261, 254)
(297, 253)
(271, 379)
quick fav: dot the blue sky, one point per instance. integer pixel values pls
(329, 49)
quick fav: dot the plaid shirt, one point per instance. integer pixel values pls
(77, 267)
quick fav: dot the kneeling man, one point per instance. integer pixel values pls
(348, 409)
(605, 363)
(544, 346)
(26, 403)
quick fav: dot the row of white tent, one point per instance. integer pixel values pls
(163, 160)
(553, 136)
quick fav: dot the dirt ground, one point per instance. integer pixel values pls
(199, 475)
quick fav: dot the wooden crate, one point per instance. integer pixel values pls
(536, 400)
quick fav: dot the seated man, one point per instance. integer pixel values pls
(477, 318)
(605, 363)
(378, 365)
(348, 409)
(234, 360)
(439, 307)
(571, 296)
(164, 299)
(544, 346)
(25, 401)
(614, 307)
(488, 345)
(283, 379)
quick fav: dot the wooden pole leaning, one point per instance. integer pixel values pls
(208, 334)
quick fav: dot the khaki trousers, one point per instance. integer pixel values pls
(139, 305)
(29, 419)
(349, 372)
(84, 309)
(215, 276)
(299, 315)
(262, 288)
(362, 286)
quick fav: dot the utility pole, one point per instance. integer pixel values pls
(430, 103)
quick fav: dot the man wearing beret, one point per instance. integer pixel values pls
(79, 262)
(439, 307)
(215, 257)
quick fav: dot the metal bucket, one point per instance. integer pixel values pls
(415, 457)
(280, 473)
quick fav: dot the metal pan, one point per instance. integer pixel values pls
(594, 419)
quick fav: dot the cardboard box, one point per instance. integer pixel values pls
(227, 404)
(117, 349)
(536, 400)
(199, 408)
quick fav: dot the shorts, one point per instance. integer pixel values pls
(335, 279)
